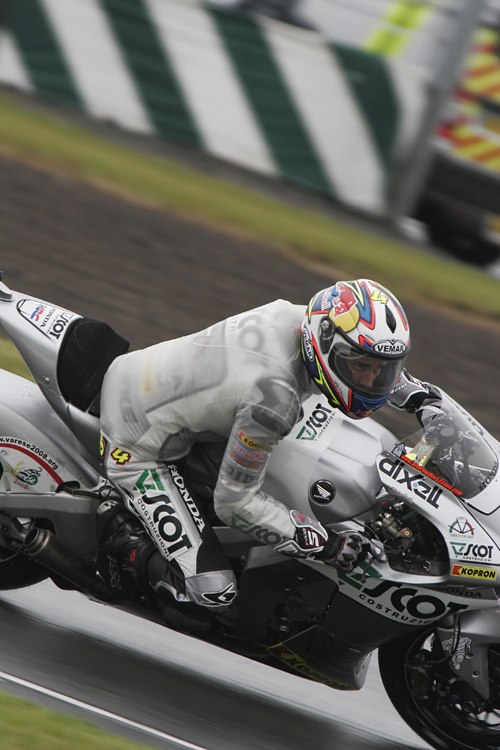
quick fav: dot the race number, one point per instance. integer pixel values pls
(120, 456)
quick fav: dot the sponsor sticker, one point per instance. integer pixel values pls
(49, 320)
(308, 348)
(472, 571)
(343, 307)
(316, 424)
(218, 598)
(298, 664)
(390, 346)
(472, 552)
(24, 476)
(29, 464)
(149, 480)
(322, 491)
(258, 532)
(247, 452)
(461, 528)
(410, 482)
(458, 652)
(458, 591)
(164, 522)
(29, 476)
(326, 298)
(429, 474)
(178, 480)
(248, 441)
(406, 604)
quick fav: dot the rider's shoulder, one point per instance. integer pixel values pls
(283, 314)
(278, 307)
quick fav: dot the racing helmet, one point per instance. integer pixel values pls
(355, 340)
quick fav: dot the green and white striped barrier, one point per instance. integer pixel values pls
(249, 90)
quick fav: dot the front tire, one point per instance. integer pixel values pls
(18, 571)
(416, 682)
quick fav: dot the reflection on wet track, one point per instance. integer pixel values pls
(176, 686)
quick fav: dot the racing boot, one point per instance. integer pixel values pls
(178, 612)
(124, 549)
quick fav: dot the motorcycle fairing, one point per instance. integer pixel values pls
(40, 331)
(285, 590)
(414, 599)
(407, 602)
(52, 456)
(443, 507)
(314, 654)
(337, 651)
(326, 445)
(37, 329)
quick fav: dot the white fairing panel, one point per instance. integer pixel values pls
(37, 451)
(325, 445)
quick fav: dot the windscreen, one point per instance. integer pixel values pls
(452, 450)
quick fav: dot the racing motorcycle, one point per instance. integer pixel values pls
(432, 500)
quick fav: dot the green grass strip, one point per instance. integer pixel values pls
(24, 725)
(52, 142)
(11, 360)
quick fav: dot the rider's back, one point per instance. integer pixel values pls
(167, 396)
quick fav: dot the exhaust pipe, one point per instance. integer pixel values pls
(43, 546)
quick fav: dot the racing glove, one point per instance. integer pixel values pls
(348, 549)
(308, 540)
(344, 551)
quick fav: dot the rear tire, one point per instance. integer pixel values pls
(18, 571)
(444, 724)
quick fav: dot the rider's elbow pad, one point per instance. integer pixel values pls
(279, 407)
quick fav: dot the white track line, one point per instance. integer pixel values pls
(99, 711)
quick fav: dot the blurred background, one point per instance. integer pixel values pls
(166, 163)
(387, 108)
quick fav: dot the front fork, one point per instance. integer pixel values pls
(468, 646)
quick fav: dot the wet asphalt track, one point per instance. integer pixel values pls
(176, 686)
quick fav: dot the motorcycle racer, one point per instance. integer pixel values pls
(241, 382)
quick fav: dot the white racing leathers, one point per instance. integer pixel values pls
(241, 381)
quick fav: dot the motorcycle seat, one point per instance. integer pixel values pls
(88, 349)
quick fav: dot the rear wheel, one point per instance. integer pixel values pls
(18, 571)
(442, 710)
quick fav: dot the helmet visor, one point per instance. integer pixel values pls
(366, 373)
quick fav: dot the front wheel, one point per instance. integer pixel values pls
(18, 571)
(442, 710)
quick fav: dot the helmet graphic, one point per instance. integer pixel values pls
(355, 339)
